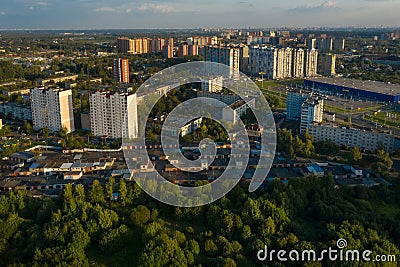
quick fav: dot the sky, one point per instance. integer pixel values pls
(162, 14)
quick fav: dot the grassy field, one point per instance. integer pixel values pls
(268, 83)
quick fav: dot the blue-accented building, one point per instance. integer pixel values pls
(371, 90)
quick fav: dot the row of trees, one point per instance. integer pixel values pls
(96, 227)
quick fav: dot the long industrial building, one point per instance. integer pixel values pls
(371, 90)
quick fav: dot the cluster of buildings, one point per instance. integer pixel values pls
(304, 107)
(270, 62)
(109, 112)
(326, 44)
(308, 109)
(140, 45)
(16, 111)
(282, 63)
(158, 45)
(257, 54)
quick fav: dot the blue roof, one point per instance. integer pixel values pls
(315, 168)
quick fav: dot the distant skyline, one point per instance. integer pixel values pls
(162, 14)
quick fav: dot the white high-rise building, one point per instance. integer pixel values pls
(298, 63)
(263, 59)
(52, 109)
(311, 111)
(114, 114)
(311, 63)
(282, 63)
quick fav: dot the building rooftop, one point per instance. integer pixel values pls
(22, 155)
(346, 127)
(371, 86)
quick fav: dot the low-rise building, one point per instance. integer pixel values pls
(213, 85)
(178, 127)
(16, 111)
(367, 140)
(234, 111)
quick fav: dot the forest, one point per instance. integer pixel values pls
(93, 227)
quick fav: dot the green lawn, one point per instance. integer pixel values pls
(268, 83)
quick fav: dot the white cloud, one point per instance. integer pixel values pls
(156, 8)
(41, 3)
(2, 13)
(106, 9)
(329, 4)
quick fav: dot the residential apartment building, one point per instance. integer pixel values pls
(180, 127)
(16, 111)
(126, 45)
(228, 99)
(213, 85)
(367, 140)
(282, 63)
(310, 63)
(295, 100)
(183, 50)
(327, 65)
(298, 63)
(156, 45)
(121, 70)
(52, 108)
(338, 44)
(134, 46)
(193, 50)
(311, 111)
(113, 114)
(168, 48)
(263, 59)
(226, 55)
(234, 111)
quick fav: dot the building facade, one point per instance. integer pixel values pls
(113, 114)
(16, 111)
(52, 108)
(311, 63)
(224, 55)
(282, 63)
(213, 85)
(366, 140)
(311, 111)
(327, 65)
(121, 70)
(295, 100)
